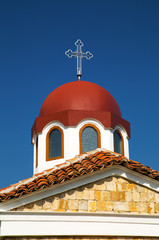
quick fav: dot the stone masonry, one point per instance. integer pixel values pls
(113, 194)
(79, 238)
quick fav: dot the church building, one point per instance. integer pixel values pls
(84, 185)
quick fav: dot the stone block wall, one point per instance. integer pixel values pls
(113, 194)
(79, 238)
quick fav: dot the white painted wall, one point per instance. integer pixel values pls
(72, 144)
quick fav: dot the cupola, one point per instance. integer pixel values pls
(77, 117)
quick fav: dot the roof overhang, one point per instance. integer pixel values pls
(73, 117)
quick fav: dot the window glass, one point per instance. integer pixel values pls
(118, 142)
(89, 139)
(55, 143)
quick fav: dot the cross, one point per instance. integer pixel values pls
(79, 55)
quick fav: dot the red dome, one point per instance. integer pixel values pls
(79, 95)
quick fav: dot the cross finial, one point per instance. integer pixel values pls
(79, 55)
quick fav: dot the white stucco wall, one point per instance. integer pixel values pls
(72, 144)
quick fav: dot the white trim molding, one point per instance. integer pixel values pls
(76, 224)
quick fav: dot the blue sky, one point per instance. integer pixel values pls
(122, 35)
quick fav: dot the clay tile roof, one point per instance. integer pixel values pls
(78, 166)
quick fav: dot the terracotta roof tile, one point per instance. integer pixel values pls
(78, 166)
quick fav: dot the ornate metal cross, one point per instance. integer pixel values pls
(79, 55)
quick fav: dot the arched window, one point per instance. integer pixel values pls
(118, 142)
(54, 144)
(89, 138)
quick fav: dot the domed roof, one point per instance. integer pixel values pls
(79, 95)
